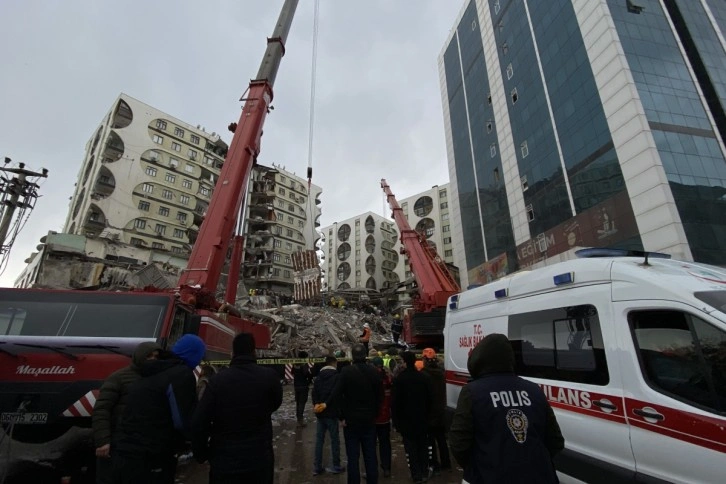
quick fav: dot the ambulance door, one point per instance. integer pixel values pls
(675, 391)
(564, 341)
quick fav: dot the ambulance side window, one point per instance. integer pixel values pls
(682, 356)
(560, 344)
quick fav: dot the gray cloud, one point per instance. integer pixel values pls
(378, 109)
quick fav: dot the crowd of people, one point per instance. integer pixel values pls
(155, 409)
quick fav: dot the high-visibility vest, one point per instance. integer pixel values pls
(387, 362)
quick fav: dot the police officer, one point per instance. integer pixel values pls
(503, 430)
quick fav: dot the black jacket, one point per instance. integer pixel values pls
(232, 426)
(323, 392)
(301, 376)
(158, 410)
(359, 392)
(412, 398)
(503, 430)
(437, 417)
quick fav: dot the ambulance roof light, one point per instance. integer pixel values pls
(610, 252)
(499, 293)
(454, 301)
(566, 278)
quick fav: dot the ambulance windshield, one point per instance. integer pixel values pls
(715, 299)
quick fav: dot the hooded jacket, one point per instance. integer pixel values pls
(158, 413)
(437, 417)
(112, 396)
(503, 430)
(323, 392)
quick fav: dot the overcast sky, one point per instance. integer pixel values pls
(378, 106)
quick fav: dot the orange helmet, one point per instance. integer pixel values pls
(429, 354)
(419, 365)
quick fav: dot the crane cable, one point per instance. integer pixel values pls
(313, 77)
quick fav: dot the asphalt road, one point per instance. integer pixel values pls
(294, 453)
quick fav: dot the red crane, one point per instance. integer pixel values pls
(57, 347)
(423, 324)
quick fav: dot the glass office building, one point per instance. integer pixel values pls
(582, 123)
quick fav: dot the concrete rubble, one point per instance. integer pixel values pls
(316, 329)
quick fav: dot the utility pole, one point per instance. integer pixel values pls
(16, 194)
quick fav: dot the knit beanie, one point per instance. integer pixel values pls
(190, 348)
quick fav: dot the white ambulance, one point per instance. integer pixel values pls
(630, 350)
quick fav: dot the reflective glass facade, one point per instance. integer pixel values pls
(685, 138)
(482, 196)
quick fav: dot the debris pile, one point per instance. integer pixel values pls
(316, 329)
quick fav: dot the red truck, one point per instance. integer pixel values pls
(57, 347)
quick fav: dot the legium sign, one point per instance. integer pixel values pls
(306, 276)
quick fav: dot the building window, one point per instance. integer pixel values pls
(208, 160)
(189, 168)
(157, 245)
(490, 126)
(277, 243)
(445, 216)
(493, 150)
(288, 245)
(530, 212)
(281, 203)
(179, 132)
(497, 6)
(144, 206)
(448, 253)
(184, 199)
(291, 207)
(175, 146)
(177, 250)
(446, 228)
(524, 149)
(357, 252)
(164, 211)
(170, 177)
(444, 205)
(525, 184)
(286, 274)
(634, 6)
(287, 260)
(179, 233)
(151, 171)
(514, 95)
(173, 163)
(154, 156)
(290, 220)
(489, 99)
(186, 183)
(276, 272)
(157, 139)
(505, 48)
(204, 191)
(181, 216)
(139, 223)
(563, 343)
(442, 193)
(447, 240)
(160, 124)
(289, 232)
(300, 223)
(276, 257)
(192, 154)
(136, 242)
(510, 71)
(160, 229)
(194, 139)
(281, 191)
(167, 194)
(147, 187)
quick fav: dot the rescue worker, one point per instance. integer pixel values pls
(157, 418)
(110, 405)
(383, 419)
(504, 429)
(396, 328)
(411, 403)
(302, 377)
(359, 391)
(389, 360)
(437, 420)
(326, 411)
(365, 337)
(232, 427)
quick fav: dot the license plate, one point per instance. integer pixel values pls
(24, 418)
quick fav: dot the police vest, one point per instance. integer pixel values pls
(510, 421)
(387, 362)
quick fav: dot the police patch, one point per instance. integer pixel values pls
(517, 423)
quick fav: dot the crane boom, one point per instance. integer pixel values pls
(435, 282)
(210, 250)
